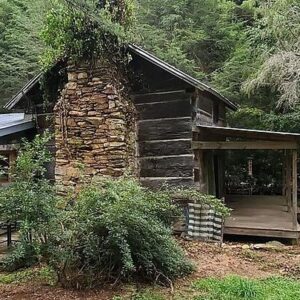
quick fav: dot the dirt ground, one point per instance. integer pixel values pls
(241, 259)
(212, 260)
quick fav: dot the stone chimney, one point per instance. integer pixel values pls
(94, 126)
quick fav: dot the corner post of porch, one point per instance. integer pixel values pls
(287, 185)
(203, 172)
(294, 206)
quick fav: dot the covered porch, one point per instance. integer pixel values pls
(252, 214)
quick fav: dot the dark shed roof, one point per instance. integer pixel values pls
(152, 59)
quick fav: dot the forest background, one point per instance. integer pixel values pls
(248, 50)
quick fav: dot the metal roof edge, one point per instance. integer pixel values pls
(22, 126)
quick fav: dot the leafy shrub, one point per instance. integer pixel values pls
(23, 255)
(31, 201)
(43, 274)
(86, 29)
(117, 230)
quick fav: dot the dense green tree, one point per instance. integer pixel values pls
(280, 70)
(268, 76)
(86, 30)
(197, 36)
(249, 50)
(20, 44)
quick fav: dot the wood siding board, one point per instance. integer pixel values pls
(160, 96)
(169, 147)
(164, 109)
(156, 183)
(294, 188)
(176, 166)
(164, 129)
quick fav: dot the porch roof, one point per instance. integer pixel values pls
(252, 134)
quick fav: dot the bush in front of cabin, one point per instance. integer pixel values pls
(114, 230)
(117, 230)
(30, 201)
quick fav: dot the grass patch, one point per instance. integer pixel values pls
(143, 295)
(228, 288)
(237, 288)
(44, 274)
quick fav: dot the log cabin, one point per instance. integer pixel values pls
(169, 128)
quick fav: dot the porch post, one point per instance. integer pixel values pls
(288, 179)
(203, 172)
(294, 188)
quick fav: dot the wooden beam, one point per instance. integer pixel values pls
(211, 179)
(9, 147)
(248, 133)
(287, 234)
(203, 180)
(245, 145)
(294, 187)
(288, 180)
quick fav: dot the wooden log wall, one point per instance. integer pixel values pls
(164, 138)
(209, 163)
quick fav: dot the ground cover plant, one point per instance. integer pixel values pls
(228, 288)
(238, 288)
(43, 274)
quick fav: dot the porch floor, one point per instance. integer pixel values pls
(260, 216)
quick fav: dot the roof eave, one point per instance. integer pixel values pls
(15, 128)
(29, 85)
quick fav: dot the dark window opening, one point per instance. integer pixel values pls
(216, 112)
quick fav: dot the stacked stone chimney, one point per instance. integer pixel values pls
(94, 126)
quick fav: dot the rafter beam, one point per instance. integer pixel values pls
(245, 145)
